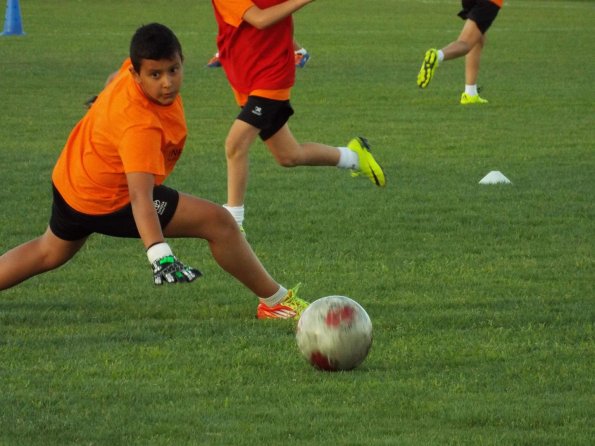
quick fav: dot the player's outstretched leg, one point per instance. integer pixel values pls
(428, 67)
(37, 256)
(367, 164)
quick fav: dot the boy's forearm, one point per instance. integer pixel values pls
(263, 18)
(147, 223)
(141, 198)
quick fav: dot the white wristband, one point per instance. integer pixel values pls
(158, 251)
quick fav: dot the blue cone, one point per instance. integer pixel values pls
(13, 25)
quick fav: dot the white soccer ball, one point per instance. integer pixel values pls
(334, 333)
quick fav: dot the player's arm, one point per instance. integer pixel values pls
(140, 189)
(166, 267)
(110, 78)
(89, 102)
(263, 18)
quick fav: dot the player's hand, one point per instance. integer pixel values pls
(89, 102)
(167, 268)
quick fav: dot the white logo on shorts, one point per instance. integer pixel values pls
(160, 206)
(257, 110)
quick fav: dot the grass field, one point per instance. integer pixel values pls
(482, 297)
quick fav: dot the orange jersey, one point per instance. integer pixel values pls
(123, 132)
(232, 11)
(498, 2)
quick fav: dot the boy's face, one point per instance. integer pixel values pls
(160, 79)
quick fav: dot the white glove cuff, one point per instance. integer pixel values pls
(158, 251)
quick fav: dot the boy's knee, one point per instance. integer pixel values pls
(288, 159)
(232, 150)
(224, 221)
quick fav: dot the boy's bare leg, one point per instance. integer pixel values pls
(237, 147)
(35, 257)
(289, 153)
(472, 61)
(469, 37)
(199, 218)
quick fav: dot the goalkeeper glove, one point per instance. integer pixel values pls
(167, 268)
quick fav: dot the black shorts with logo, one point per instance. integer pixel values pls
(69, 224)
(268, 115)
(482, 12)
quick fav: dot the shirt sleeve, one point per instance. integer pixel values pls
(233, 11)
(140, 151)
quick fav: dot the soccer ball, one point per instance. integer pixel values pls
(334, 333)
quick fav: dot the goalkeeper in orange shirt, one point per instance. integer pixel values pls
(109, 180)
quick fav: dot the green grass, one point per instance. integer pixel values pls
(481, 296)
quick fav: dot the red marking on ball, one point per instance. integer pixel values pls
(322, 362)
(336, 316)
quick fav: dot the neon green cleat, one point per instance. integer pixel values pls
(428, 67)
(468, 99)
(367, 164)
(291, 307)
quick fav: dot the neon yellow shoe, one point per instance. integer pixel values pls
(291, 307)
(367, 164)
(467, 99)
(428, 67)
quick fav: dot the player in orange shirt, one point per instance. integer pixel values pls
(109, 180)
(255, 42)
(478, 16)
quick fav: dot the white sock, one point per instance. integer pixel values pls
(275, 298)
(348, 159)
(471, 90)
(237, 212)
(440, 56)
(301, 51)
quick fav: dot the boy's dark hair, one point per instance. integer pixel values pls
(153, 41)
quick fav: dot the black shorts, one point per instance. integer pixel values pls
(69, 224)
(482, 12)
(268, 115)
